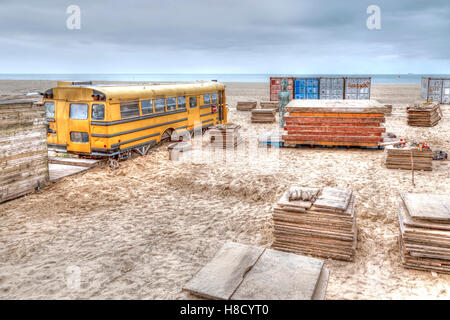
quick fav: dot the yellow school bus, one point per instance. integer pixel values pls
(110, 120)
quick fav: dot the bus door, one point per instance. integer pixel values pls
(78, 128)
(221, 110)
(61, 116)
(194, 113)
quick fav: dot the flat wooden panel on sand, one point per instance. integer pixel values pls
(241, 272)
(428, 206)
(220, 277)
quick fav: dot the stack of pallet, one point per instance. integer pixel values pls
(424, 221)
(246, 105)
(269, 105)
(424, 115)
(334, 123)
(408, 157)
(316, 222)
(225, 136)
(388, 109)
(263, 116)
(23, 148)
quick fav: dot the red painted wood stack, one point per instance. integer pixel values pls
(334, 123)
(275, 86)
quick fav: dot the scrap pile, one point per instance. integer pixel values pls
(334, 123)
(23, 148)
(263, 116)
(246, 105)
(225, 135)
(269, 105)
(316, 222)
(410, 155)
(424, 221)
(424, 115)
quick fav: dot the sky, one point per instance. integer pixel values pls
(225, 36)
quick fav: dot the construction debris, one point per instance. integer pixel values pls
(263, 116)
(334, 123)
(425, 114)
(225, 135)
(243, 272)
(440, 155)
(23, 148)
(409, 155)
(316, 222)
(424, 221)
(246, 105)
(269, 105)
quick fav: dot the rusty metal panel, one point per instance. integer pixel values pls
(446, 92)
(275, 86)
(332, 88)
(357, 88)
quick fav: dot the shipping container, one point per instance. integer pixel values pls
(357, 88)
(436, 90)
(331, 88)
(306, 88)
(275, 86)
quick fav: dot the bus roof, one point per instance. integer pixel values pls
(123, 92)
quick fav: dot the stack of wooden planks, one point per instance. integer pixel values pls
(408, 158)
(243, 272)
(263, 116)
(334, 123)
(388, 109)
(316, 222)
(225, 136)
(23, 148)
(269, 105)
(246, 105)
(424, 221)
(424, 115)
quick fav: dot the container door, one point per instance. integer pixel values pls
(61, 118)
(446, 92)
(364, 88)
(435, 90)
(79, 128)
(194, 113)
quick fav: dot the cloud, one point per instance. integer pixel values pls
(265, 36)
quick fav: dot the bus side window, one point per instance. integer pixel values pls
(214, 98)
(147, 106)
(206, 98)
(160, 104)
(98, 112)
(181, 103)
(192, 102)
(129, 109)
(171, 104)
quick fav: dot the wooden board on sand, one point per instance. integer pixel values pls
(434, 207)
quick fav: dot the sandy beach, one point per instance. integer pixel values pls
(143, 230)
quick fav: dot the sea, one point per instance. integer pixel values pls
(221, 77)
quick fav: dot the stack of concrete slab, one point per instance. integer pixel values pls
(316, 222)
(244, 272)
(23, 148)
(334, 123)
(225, 136)
(269, 105)
(424, 221)
(424, 115)
(246, 105)
(408, 158)
(263, 116)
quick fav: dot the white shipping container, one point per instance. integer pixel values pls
(357, 88)
(436, 90)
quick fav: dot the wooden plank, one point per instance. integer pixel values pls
(333, 198)
(337, 106)
(281, 276)
(433, 207)
(221, 276)
(335, 114)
